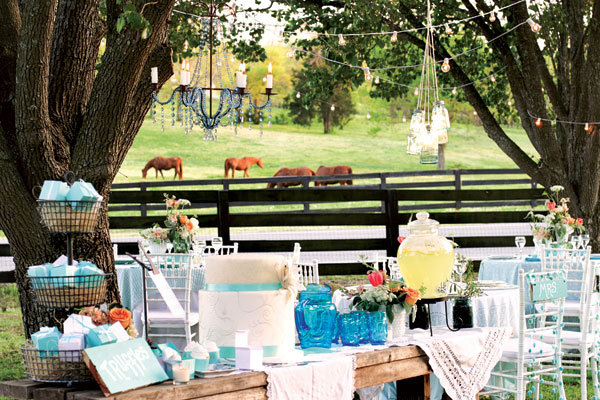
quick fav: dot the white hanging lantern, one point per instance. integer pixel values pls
(417, 128)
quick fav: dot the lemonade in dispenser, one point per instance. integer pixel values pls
(425, 258)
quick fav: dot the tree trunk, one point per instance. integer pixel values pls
(326, 119)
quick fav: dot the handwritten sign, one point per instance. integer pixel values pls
(123, 366)
(548, 288)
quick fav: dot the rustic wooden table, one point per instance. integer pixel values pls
(408, 365)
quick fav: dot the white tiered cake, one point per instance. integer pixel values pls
(248, 292)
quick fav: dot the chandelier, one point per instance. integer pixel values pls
(429, 125)
(208, 94)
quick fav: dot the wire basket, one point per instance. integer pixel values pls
(69, 216)
(55, 366)
(69, 291)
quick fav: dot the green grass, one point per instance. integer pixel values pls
(11, 335)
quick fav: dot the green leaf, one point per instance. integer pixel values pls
(389, 310)
(120, 23)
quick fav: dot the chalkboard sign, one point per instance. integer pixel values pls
(548, 287)
(123, 366)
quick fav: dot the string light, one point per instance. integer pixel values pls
(377, 80)
(535, 27)
(454, 91)
(341, 40)
(509, 103)
(492, 78)
(587, 126)
(448, 29)
(298, 95)
(403, 118)
(332, 107)
(538, 122)
(416, 91)
(492, 17)
(368, 116)
(394, 37)
(292, 52)
(368, 76)
(303, 26)
(446, 65)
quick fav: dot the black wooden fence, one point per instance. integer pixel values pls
(449, 206)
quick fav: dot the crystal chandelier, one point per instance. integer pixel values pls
(429, 125)
(194, 101)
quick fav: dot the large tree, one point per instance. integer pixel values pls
(551, 74)
(62, 109)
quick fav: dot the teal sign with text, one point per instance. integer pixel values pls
(548, 288)
(123, 366)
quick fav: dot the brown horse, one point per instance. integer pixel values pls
(163, 163)
(241, 164)
(300, 171)
(337, 170)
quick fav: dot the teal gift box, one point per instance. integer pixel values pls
(39, 271)
(82, 191)
(46, 341)
(54, 190)
(65, 273)
(201, 364)
(213, 357)
(100, 336)
(86, 268)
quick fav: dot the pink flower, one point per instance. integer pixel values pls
(173, 218)
(401, 239)
(169, 203)
(551, 205)
(176, 203)
(579, 221)
(376, 278)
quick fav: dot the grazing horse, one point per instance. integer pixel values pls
(241, 164)
(300, 171)
(163, 163)
(337, 170)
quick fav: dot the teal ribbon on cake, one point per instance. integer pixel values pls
(242, 287)
(268, 351)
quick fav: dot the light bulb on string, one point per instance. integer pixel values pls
(292, 52)
(403, 118)
(377, 80)
(416, 92)
(298, 95)
(368, 116)
(588, 127)
(303, 26)
(394, 37)
(492, 17)
(341, 40)
(509, 103)
(535, 27)
(454, 91)
(446, 65)
(448, 29)
(538, 122)
(492, 78)
(332, 107)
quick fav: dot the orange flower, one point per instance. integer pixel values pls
(412, 296)
(120, 315)
(183, 219)
(189, 225)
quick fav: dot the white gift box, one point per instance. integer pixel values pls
(78, 324)
(74, 342)
(119, 332)
(250, 358)
(241, 338)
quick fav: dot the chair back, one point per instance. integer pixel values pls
(308, 272)
(222, 250)
(177, 270)
(541, 303)
(296, 253)
(389, 265)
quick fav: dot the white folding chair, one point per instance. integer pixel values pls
(390, 265)
(221, 250)
(527, 362)
(296, 253)
(308, 272)
(177, 270)
(581, 312)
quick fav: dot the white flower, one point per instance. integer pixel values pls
(194, 222)
(556, 188)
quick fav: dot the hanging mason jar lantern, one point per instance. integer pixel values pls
(417, 126)
(440, 122)
(429, 147)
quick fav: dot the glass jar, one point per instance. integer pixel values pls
(425, 258)
(462, 313)
(315, 317)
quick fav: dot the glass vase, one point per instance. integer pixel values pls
(377, 327)
(350, 329)
(397, 327)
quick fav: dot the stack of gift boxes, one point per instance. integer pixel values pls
(73, 195)
(66, 275)
(80, 332)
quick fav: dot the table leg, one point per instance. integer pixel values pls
(417, 388)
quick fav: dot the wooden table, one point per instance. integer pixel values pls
(408, 365)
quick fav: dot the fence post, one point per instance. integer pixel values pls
(391, 222)
(457, 186)
(533, 186)
(224, 227)
(382, 184)
(143, 206)
(306, 185)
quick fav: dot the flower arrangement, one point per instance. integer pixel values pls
(464, 285)
(383, 293)
(179, 228)
(558, 224)
(116, 313)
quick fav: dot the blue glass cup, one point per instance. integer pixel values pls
(363, 322)
(349, 329)
(378, 327)
(336, 330)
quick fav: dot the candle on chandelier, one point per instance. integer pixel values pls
(182, 78)
(188, 74)
(154, 74)
(241, 78)
(270, 77)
